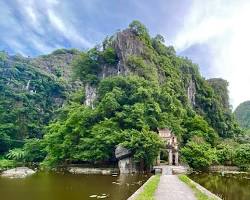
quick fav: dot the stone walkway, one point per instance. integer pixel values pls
(171, 188)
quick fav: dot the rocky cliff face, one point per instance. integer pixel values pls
(191, 92)
(125, 45)
(90, 95)
(57, 63)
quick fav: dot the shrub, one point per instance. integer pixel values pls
(242, 156)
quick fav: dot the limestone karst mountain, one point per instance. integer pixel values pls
(126, 69)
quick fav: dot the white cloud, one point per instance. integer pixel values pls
(41, 26)
(19, 48)
(67, 30)
(224, 25)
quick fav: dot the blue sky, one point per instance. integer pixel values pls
(214, 33)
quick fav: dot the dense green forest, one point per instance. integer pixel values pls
(76, 107)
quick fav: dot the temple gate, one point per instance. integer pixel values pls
(171, 145)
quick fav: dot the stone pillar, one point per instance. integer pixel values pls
(126, 166)
(170, 157)
(176, 158)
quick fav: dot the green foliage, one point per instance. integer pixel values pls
(242, 156)
(242, 114)
(145, 144)
(220, 87)
(214, 112)
(109, 56)
(197, 126)
(64, 51)
(160, 48)
(16, 154)
(101, 142)
(5, 142)
(6, 163)
(34, 150)
(138, 66)
(3, 56)
(84, 134)
(159, 38)
(87, 66)
(226, 152)
(28, 100)
(198, 154)
(140, 30)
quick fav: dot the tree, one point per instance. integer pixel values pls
(197, 126)
(86, 67)
(198, 154)
(34, 150)
(140, 30)
(144, 144)
(226, 152)
(159, 38)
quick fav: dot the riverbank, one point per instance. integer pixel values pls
(18, 172)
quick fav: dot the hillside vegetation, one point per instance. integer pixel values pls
(242, 114)
(133, 85)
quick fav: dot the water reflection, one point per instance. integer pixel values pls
(59, 186)
(228, 187)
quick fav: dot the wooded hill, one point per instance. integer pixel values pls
(118, 92)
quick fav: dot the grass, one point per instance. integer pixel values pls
(149, 189)
(199, 195)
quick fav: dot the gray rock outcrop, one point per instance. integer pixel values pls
(121, 152)
(191, 92)
(19, 172)
(90, 92)
(125, 161)
(82, 170)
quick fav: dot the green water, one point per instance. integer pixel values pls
(228, 187)
(59, 186)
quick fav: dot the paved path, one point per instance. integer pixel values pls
(171, 188)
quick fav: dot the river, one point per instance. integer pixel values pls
(228, 187)
(65, 186)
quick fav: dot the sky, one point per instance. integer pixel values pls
(215, 33)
